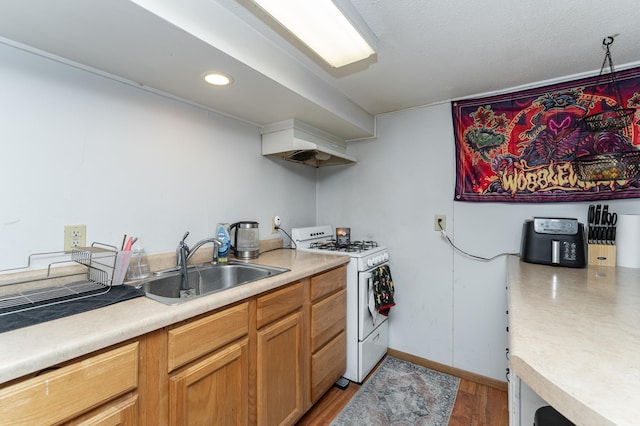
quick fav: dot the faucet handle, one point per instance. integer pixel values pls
(186, 234)
(183, 249)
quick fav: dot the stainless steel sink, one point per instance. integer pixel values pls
(204, 279)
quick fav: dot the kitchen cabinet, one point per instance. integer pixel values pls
(258, 360)
(213, 391)
(66, 392)
(328, 298)
(213, 388)
(280, 356)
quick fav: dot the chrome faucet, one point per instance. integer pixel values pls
(184, 253)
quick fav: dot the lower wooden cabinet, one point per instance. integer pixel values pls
(280, 372)
(66, 392)
(328, 341)
(263, 361)
(280, 355)
(213, 391)
(328, 364)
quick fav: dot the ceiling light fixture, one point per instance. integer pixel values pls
(327, 27)
(218, 79)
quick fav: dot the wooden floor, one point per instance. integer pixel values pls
(475, 405)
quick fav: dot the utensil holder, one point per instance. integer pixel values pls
(601, 254)
(122, 264)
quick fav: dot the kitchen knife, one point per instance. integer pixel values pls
(596, 226)
(613, 235)
(605, 224)
(591, 217)
(612, 219)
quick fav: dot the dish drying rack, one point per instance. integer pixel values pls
(99, 261)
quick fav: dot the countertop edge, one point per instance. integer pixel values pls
(555, 395)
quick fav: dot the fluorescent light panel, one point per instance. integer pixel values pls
(322, 26)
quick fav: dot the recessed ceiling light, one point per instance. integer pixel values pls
(218, 79)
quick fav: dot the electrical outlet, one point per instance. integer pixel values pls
(275, 222)
(75, 236)
(440, 222)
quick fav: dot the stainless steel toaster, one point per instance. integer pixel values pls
(554, 241)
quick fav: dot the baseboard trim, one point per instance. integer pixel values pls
(463, 374)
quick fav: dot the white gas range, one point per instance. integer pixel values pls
(367, 331)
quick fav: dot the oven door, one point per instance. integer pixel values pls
(366, 321)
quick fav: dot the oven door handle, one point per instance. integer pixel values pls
(371, 300)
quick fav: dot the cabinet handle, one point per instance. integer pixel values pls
(46, 370)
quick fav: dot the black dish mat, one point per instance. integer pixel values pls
(116, 294)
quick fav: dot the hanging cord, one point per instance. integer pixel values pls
(293, 243)
(472, 256)
(607, 42)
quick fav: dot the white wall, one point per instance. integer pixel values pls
(450, 309)
(82, 149)
(78, 148)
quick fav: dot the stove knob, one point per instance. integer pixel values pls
(369, 262)
(385, 256)
(378, 259)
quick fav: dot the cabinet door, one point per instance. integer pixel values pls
(279, 376)
(214, 391)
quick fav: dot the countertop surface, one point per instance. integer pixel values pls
(34, 348)
(575, 339)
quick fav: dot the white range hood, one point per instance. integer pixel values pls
(293, 140)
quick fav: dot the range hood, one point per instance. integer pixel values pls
(293, 140)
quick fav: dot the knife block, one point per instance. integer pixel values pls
(601, 254)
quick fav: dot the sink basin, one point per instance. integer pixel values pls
(204, 279)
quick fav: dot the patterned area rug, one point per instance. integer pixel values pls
(401, 393)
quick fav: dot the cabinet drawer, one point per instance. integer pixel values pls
(122, 412)
(327, 365)
(69, 391)
(328, 318)
(279, 303)
(328, 282)
(195, 339)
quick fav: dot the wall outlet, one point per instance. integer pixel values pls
(75, 236)
(275, 222)
(440, 222)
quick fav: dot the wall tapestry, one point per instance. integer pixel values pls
(521, 146)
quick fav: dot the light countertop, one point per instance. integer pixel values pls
(575, 339)
(31, 349)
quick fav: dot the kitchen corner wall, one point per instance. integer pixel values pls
(450, 308)
(79, 148)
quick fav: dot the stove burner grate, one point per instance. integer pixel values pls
(354, 247)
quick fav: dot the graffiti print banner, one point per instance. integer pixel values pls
(521, 147)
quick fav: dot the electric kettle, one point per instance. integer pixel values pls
(246, 239)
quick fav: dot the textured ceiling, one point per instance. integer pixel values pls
(430, 50)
